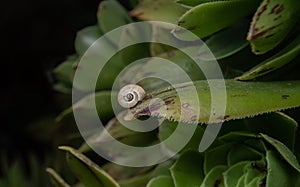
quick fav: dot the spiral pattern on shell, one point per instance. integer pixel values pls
(130, 95)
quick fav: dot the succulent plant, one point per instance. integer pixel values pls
(257, 46)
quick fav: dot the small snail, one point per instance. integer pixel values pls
(130, 95)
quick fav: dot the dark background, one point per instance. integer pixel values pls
(35, 37)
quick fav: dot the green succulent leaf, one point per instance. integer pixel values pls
(280, 59)
(163, 169)
(102, 98)
(119, 131)
(88, 172)
(136, 181)
(271, 23)
(87, 64)
(241, 181)
(168, 128)
(125, 174)
(255, 173)
(158, 66)
(232, 175)
(284, 151)
(214, 177)
(65, 71)
(135, 52)
(216, 156)
(204, 19)
(237, 136)
(226, 42)
(193, 2)
(57, 180)
(160, 181)
(187, 170)
(85, 38)
(240, 153)
(244, 99)
(159, 10)
(279, 173)
(111, 14)
(277, 125)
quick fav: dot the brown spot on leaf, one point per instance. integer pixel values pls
(154, 107)
(238, 95)
(285, 96)
(277, 9)
(223, 118)
(278, 17)
(180, 23)
(218, 182)
(194, 118)
(169, 101)
(170, 54)
(185, 105)
(254, 35)
(191, 28)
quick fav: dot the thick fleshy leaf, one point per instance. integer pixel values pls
(165, 33)
(101, 140)
(271, 23)
(88, 172)
(103, 105)
(216, 156)
(65, 71)
(136, 181)
(111, 15)
(214, 177)
(160, 181)
(280, 59)
(132, 34)
(180, 64)
(163, 169)
(257, 144)
(241, 181)
(237, 136)
(208, 18)
(86, 37)
(124, 173)
(284, 151)
(159, 10)
(279, 173)
(193, 2)
(57, 180)
(232, 175)
(255, 173)
(240, 153)
(226, 42)
(188, 169)
(93, 58)
(277, 125)
(168, 128)
(244, 99)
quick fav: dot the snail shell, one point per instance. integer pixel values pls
(130, 95)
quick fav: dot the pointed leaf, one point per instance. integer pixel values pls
(87, 171)
(187, 170)
(280, 59)
(57, 180)
(204, 19)
(214, 177)
(161, 181)
(159, 10)
(271, 23)
(285, 152)
(279, 173)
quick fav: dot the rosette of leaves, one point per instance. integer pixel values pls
(256, 41)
